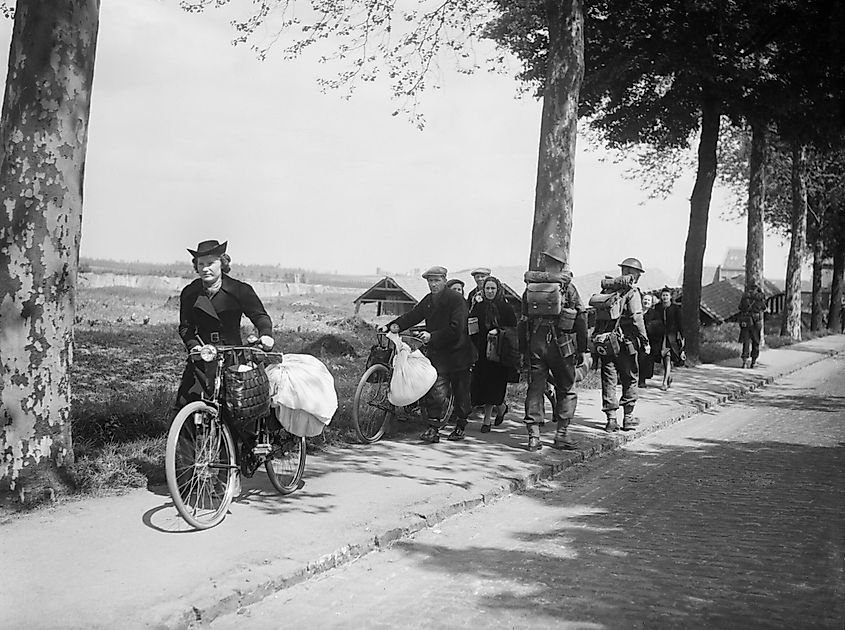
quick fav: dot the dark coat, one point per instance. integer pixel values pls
(490, 378)
(200, 316)
(449, 348)
(668, 331)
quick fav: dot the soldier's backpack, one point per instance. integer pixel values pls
(543, 293)
(609, 303)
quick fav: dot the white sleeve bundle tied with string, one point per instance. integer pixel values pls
(413, 374)
(302, 394)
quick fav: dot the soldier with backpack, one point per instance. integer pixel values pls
(619, 334)
(555, 329)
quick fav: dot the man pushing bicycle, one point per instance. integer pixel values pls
(449, 350)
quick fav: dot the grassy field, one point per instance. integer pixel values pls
(126, 372)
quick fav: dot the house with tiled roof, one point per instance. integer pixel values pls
(720, 300)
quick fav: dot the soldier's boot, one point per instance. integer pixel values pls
(753, 363)
(629, 422)
(745, 364)
(534, 436)
(563, 442)
(611, 422)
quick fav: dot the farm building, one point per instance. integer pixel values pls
(389, 297)
(720, 300)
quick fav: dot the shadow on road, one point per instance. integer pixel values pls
(712, 534)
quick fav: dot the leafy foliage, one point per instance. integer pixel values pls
(370, 38)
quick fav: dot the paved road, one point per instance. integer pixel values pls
(731, 519)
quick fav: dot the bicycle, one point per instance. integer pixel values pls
(201, 463)
(371, 409)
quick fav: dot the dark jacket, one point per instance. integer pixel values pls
(200, 316)
(667, 324)
(449, 349)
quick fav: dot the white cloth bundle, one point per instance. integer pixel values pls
(413, 374)
(302, 394)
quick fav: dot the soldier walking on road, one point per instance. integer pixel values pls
(751, 309)
(618, 336)
(556, 330)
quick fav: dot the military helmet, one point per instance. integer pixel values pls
(633, 263)
(555, 253)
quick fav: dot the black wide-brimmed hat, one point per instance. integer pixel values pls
(209, 248)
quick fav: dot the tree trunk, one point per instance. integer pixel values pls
(791, 324)
(834, 316)
(818, 262)
(756, 213)
(553, 199)
(699, 211)
(44, 133)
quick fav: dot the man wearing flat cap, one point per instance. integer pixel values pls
(449, 350)
(479, 274)
(210, 311)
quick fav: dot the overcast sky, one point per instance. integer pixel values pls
(191, 138)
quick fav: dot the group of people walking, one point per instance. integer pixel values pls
(475, 343)
(478, 343)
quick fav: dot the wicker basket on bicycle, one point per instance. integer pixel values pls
(247, 395)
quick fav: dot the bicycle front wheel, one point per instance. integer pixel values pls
(200, 465)
(371, 410)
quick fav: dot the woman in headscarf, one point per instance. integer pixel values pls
(490, 378)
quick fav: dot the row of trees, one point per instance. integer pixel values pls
(654, 73)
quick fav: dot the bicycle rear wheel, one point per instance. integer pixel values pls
(286, 463)
(200, 465)
(371, 410)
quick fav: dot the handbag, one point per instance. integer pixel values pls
(492, 352)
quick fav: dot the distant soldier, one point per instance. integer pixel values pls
(751, 309)
(556, 329)
(619, 334)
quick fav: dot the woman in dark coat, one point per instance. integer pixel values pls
(490, 378)
(669, 336)
(644, 359)
(210, 312)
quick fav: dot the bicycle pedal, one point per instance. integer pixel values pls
(262, 449)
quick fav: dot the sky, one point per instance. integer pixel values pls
(192, 138)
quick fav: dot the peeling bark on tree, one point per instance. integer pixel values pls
(699, 214)
(834, 315)
(754, 273)
(44, 134)
(791, 323)
(553, 199)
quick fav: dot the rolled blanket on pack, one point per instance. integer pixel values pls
(302, 394)
(619, 283)
(561, 277)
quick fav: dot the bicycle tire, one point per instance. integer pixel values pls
(200, 465)
(371, 410)
(286, 464)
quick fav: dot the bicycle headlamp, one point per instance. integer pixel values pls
(208, 353)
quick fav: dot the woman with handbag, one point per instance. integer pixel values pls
(490, 376)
